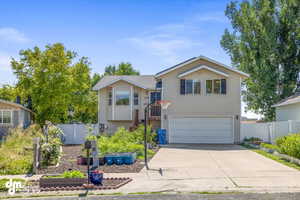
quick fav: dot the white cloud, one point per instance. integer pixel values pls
(211, 17)
(4, 62)
(170, 41)
(178, 28)
(166, 41)
(163, 45)
(12, 35)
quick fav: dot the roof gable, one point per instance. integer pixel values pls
(288, 101)
(198, 58)
(143, 81)
(15, 105)
(201, 67)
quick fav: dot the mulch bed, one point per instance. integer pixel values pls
(107, 184)
(68, 161)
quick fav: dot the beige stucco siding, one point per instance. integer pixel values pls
(203, 104)
(288, 112)
(114, 115)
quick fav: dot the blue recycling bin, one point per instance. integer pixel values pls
(162, 136)
(96, 177)
(109, 159)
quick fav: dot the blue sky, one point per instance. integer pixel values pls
(152, 35)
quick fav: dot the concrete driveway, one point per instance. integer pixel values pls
(201, 167)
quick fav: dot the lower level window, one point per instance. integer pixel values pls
(5, 117)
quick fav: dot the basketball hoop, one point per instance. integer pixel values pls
(164, 104)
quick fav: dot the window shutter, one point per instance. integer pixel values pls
(223, 86)
(182, 86)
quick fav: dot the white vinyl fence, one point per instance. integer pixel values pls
(268, 132)
(76, 133)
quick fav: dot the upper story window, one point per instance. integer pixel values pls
(197, 87)
(190, 86)
(5, 117)
(136, 98)
(159, 84)
(122, 97)
(216, 86)
(109, 98)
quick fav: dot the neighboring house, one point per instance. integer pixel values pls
(289, 108)
(205, 100)
(13, 115)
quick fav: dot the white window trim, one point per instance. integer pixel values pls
(11, 117)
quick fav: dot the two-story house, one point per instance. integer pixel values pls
(205, 100)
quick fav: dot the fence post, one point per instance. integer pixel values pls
(36, 154)
(290, 126)
(74, 133)
(271, 131)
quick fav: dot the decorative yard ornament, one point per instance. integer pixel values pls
(95, 155)
(88, 146)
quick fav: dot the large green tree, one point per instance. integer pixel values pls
(8, 93)
(265, 42)
(56, 83)
(121, 69)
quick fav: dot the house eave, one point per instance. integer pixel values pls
(243, 74)
(16, 105)
(120, 79)
(200, 68)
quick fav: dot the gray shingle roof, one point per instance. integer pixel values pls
(15, 104)
(142, 81)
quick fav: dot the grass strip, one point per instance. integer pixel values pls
(273, 157)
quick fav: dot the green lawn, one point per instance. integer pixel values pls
(273, 157)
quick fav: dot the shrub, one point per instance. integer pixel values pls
(73, 174)
(51, 149)
(252, 139)
(125, 141)
(270, 146)
(69, 174)
(289, 145)
(16, 153)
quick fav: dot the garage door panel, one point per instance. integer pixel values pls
(201, 130)
(207, 141)
(195, 133)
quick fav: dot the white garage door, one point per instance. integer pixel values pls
(201, 130)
